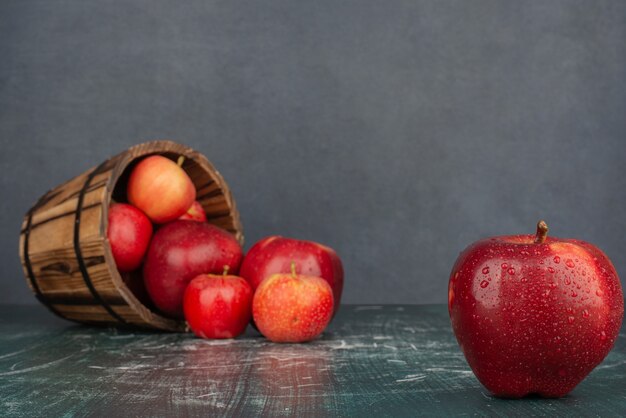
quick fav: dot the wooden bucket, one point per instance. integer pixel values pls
(65, 252)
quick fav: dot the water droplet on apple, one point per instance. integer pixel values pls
(485, 270)
(556, 259)
(511, 271)
(524, 280)
(484, 284)
(569, 263)
(571, 319)
(568, 281)
(551, 269)
(603, 336)
(552, 285)
(585, 313)
(504, 265)
(574, 294)
(599, 292)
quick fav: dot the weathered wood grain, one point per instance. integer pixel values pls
(64, 249)
(373, 361)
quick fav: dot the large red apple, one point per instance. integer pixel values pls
(129, 234)
(160, 188)
(180, 251)
(292, 307)
(533, 314)
(274, 254)
(218, 306)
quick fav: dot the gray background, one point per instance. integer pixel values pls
(396, 132)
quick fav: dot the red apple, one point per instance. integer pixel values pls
(274, 255)
(218, 306)
(292, 308)
(161, 188)
(180, 251)
(534, 315)
(194, 213)
(129, 234)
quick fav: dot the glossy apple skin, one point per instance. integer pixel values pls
(161, 189)
(292, 308)
(274, 254)
(180, 251)
(534, 318)
(194, 213)
(129, 233)
(218, 306)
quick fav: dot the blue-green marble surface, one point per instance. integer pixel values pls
(372, 361)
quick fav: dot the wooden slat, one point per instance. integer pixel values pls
(84, 299)
(67, 208)
(51, 236)
(81, 294)
(83, 309)
(75, 286)
(99, 314)
(209, 186)
(130, 314)
(90, 224)
(214, 203)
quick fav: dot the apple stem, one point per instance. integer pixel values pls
(293, 269)
(181, 160)
(226, 268)
(542, 232)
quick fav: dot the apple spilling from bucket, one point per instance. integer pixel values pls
(290, 288)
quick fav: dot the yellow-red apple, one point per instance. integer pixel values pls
(291, 307)
(161, 189)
